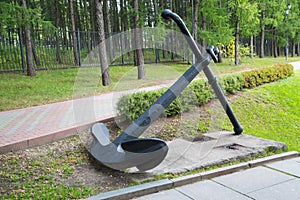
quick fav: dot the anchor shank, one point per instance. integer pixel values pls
(157, 108)
(168, 14)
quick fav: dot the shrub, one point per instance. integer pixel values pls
(231, 83)
(131, 106)
(266, 75)
(199, 92)
(202, 90)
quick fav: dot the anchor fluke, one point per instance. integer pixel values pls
(142, 153)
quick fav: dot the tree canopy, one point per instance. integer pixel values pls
(265, 25)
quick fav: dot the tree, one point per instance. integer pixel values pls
(195, 21)
(28, 45)
(57, 23)
(138, 40)
(102, 47)
(292, 23)
(244, 19)
(215, 24)
(73, 30)
(262, 30)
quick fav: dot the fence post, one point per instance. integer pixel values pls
(21, 49)
(156, 54)
(78, 47)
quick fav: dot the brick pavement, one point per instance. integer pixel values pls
(32, 126)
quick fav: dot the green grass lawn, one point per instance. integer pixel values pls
(272, 111)
(19, 91)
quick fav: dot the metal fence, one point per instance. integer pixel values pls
(55, 50)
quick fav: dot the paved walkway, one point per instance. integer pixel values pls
(37, 125)
(281, 180)
(296, 65)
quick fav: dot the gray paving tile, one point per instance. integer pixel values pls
(165, 195)
(209, 190)
(253, 179)
(297, 159)
(290, 166)
(287, 190)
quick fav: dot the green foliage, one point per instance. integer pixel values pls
(217, 18)
(202, 91)
(199, 92)
(13, 15)
(244, 50)
(268, 74)
(133, 105)
(232, 83)
(246, 13)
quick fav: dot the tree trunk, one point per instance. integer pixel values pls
(293, 48)
(87, 26)
(35, 56)
(122, 14)
(92, 16)
(236, 43)
(155, 7)
(275, 46)
(138, 43)
(77, 16)
(102, 46)
(203, 27)
(298, 49)
(115, 22)
(73, 31)
(57, 36)
(107, 29)
(149, 13)
(28, 46)
(262, 38)
(161, 4)
(195, 24)
(251, 46)
(262, 43)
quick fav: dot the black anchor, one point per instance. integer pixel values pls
(128, 150)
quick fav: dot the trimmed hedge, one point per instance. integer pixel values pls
(133, 105)
(200, 92)
(261, 76)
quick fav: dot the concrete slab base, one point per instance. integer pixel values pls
(217, 148)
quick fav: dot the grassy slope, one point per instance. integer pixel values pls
(272, 111)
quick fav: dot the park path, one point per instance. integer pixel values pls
(27, 127)
(32, 126)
